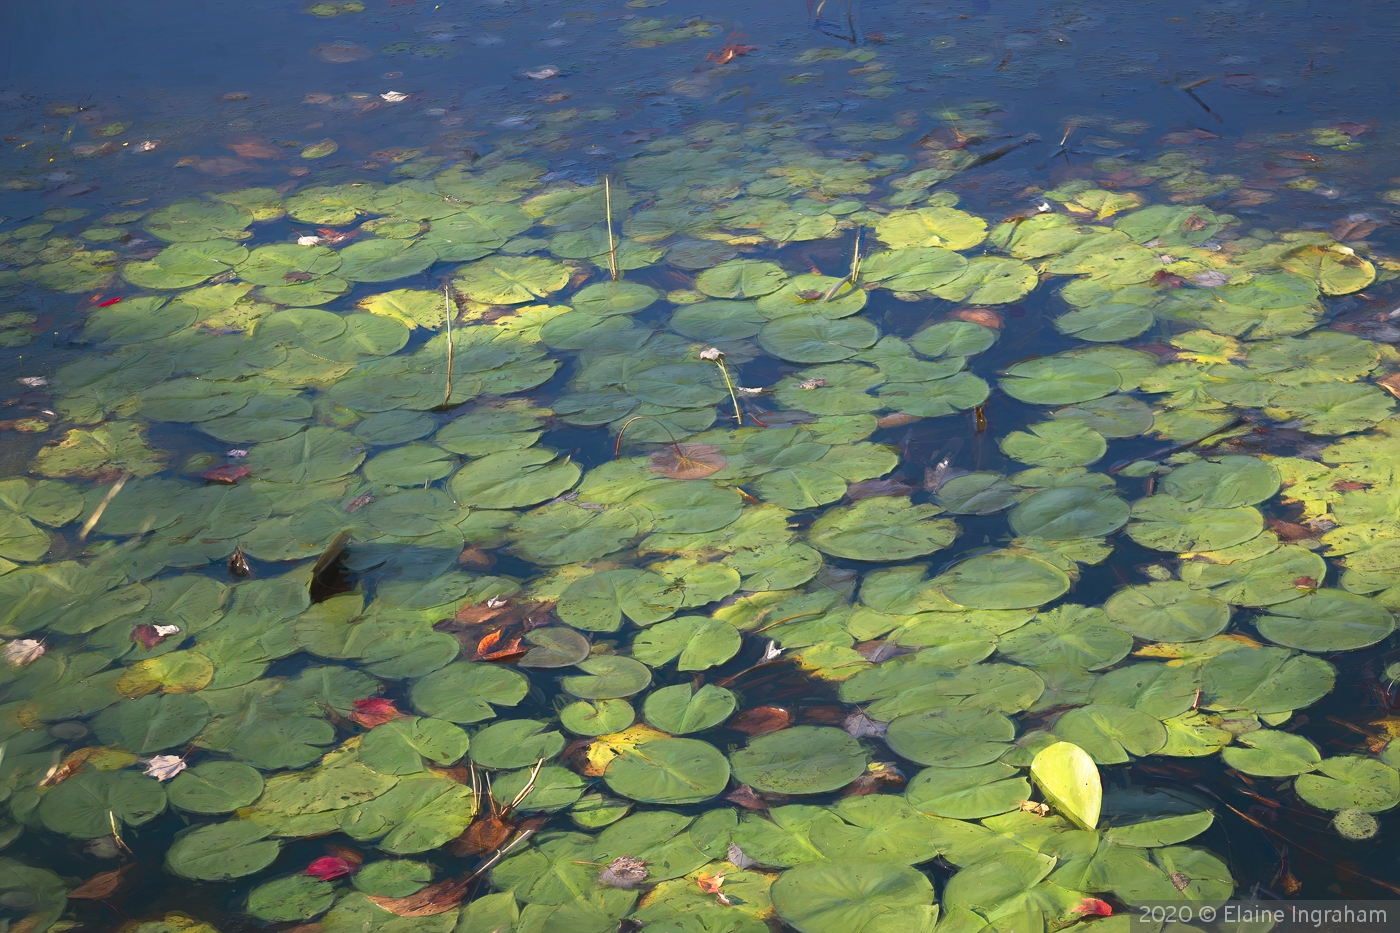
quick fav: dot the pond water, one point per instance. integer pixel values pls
(845, 466)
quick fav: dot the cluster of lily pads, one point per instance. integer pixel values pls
(419, 426)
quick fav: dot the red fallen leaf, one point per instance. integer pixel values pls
(1195, 222)
(1092, 906)
(1305, 583)
(107, 304)
(146, 636)
(252, 148)
(895, 419)
(1351, 128)
(490, 648)
(688, 461)
(101, 885)
(228, 474)
(761, 720)
(434, 899)
(329, 867)
(1347, 485)
(987, 317)
(730, 52)
(1168, 280)
(374, 711)
(1289, 531)
(1298, 156)
(332, 237)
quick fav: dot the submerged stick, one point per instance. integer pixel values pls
(612, 244)
(447, 302)
(96, 515)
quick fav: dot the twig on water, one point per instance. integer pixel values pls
(849, 276)
(447, 301)
(96, 515)
(612, 243)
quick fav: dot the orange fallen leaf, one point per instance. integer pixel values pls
(761, 720)
(987, 317)
(433, 900)
(688, 461)
(101, 885)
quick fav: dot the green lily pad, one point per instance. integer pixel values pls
(968, 793)
(882, 529)
(953, 338)
(294, 897)
(1111, 733)
(514, 743)
(1067, 636)
(741, 279)
(1113, 416)
(1224, 482)
(1003, 580)
(979, 493)
(1168, 524)
(1264, 680)
(514, 478)
(914, 269)
(464, 692)
(597, 717)
(215, 787)
(1276, 577)
(221, 851)
(800, 760)
(1069, 512)
(608, 298)
(951, 738)
(1350, 782)
(681, 709)
(607, 677)
(699, 643)
(1168, 611)
(1268, 753)
(668, 771)
(85, 805)
(932, 226)
(512, 280)
(990, 280)
(1327, 620)
(802, 339)
(193, 221)
(1055, 444)
(862, 897)
(1059, 380)
(401, 745)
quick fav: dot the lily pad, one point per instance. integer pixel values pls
(607, 677)
(1268, 753)
(1003, 580)
(840, 897)
(882, 529)
(1069, 512)
(681, 709)
(800, 760)
(1069, 779)
(1350, 782)
(1224, 482)
(951, 738)
(803, 339)
(1168, 611)
(514, 478)
(668, 771)
(1327, 620)
(1055, 444)
(512, 280)
(1059, 380)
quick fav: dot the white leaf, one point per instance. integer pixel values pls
(24, 651)
(163, 767)
(165, 630)
(394, 97)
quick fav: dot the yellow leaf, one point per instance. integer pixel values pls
(605, 748)
(177, 672)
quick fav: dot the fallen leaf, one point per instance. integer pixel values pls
(987, 317)
(146, 636)
(340, 52)
(738, 859)
(101, 885)
(744, 796)
(476, 558)
(490, 648)
(238, 564)
(1391, 384)
(862, 726)
(433, 900)
(871, 488)
(394, 97)
(624, 872)
(711, 884)
(487, 834)
(688, 461)
(329, 867)
(252, 148)
(1092, 906)
(24, 651)
(896, 419)
(163, 767)
(227, 474)
(761, 720)
(374, 711)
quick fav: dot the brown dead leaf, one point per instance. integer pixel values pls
(872, 488)
(1391, 384)
(101, 885)
(433, 900)
(688, 461)
(761, 720)
(745, 797)
(70, 766)
(487, 834)
(895, 419)
(987, 317)
(252, 147)
(493, 648)
(475, 558)
(1289, 531)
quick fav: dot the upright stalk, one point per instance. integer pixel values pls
(447, 302)
(612, 243)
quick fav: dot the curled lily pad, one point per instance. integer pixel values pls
(1068, 778)
(800, 760)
